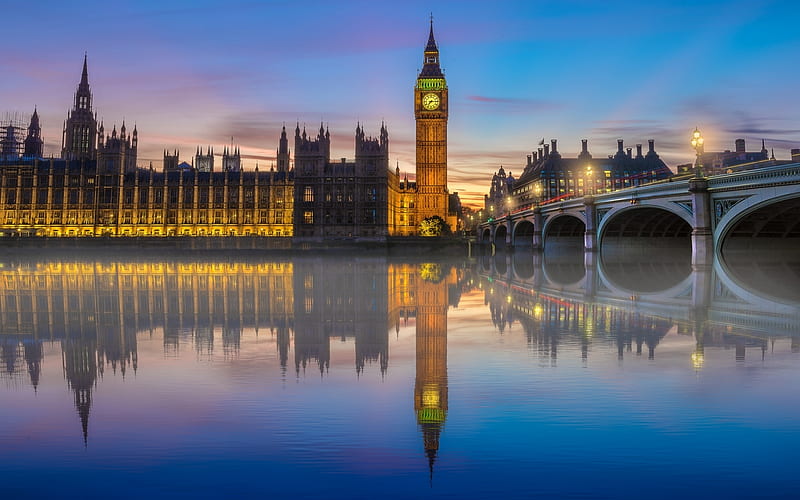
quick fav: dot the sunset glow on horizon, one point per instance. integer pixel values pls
(199, 74)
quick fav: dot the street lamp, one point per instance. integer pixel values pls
(697, 144)
(537, 190)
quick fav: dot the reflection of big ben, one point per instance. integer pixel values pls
(430, 111)
(430, 386)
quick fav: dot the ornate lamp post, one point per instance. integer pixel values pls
(537, 191)
(697, 144)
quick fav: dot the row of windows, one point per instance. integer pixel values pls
(110, 196)
(146, 217)
(340, 195)
(369, 216)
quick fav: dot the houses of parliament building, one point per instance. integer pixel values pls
(96, 188)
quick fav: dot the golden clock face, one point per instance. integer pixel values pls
(430, 101)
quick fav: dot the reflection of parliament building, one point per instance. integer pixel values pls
(95, 309)
(96, 189)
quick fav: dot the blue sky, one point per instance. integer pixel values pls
(197, 73)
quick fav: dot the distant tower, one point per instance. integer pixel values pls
(372, 162)
(431, 112)
(231, 160)
(80, 128)
(33, 142)
(310, 159)
(171, 161)
(204, 162)
(283, 152)
(117, 154)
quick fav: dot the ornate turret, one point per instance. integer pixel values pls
(33, 141)
(80, 128)
(283, 152)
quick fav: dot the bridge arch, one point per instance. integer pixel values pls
(486, 236)
(523, 234)
(765, 221)
(563, 230)
(500, 235)
(645, 227)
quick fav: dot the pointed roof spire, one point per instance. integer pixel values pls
(431, 47)
(431, 68)
(85, 73)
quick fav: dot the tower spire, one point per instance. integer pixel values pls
(430, 61)
(431, 47)
(85, 73)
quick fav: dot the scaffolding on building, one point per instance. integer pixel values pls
(13, 130)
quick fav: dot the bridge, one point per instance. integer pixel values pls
(706, 214)
(740, 301)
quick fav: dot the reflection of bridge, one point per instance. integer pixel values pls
(724, 304)
(706, 213)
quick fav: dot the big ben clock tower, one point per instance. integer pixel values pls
(430, 112)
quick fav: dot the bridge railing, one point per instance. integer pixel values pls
(780, 172)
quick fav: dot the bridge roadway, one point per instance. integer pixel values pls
(706, 213)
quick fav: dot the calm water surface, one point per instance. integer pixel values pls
(510, 376)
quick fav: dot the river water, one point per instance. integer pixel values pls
(509, 376)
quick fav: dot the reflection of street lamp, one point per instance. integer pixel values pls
(698, 358)
(589, 180)
(697, 144)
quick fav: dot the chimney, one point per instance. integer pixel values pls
(584, 150)
(796, 155)
(541, 154)
(529, 160)
(535, 157)
(629, 152)
(546, 151)
(740, 146)
(619, 147)
(553, 145)
(651, 153)
(639, 152)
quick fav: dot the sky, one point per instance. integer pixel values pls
(200, 73)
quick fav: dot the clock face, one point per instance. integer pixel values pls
(430, 101)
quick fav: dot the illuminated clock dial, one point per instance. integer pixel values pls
(430, 101)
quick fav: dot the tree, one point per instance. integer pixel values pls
(433, 226)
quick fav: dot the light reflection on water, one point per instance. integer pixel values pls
(560, 374)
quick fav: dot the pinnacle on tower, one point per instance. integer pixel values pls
(85, 72)
(431, 47)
